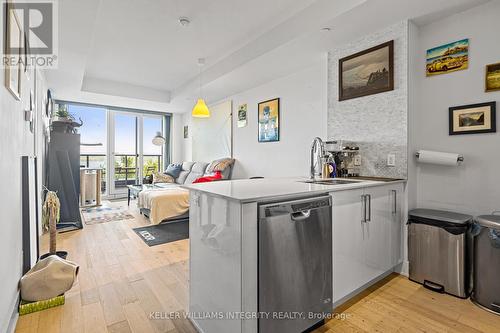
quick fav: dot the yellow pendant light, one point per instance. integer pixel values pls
(201, 110)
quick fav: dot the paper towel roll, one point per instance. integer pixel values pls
(436, 157)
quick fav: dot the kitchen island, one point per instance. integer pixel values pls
(366, 233)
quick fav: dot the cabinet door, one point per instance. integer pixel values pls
(397, 221)
(215, 261)
(349, 269)
(378, 249)
(384, 228)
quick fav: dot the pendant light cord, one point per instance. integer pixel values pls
(200, 65)
(201, 92)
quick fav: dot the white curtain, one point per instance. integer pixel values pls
(212, 136)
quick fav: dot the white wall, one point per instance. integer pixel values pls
(474, 187)
(187, 143)
(212, 136)
(16, 140)
(177, 143)
(302, 117)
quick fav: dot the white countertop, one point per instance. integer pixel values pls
(249, 190)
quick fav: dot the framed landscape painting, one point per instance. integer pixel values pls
(448, 58)
(473, 119)
(367, 72)
(493, 77)
(269, 120)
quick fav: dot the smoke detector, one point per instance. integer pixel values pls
(184, 21)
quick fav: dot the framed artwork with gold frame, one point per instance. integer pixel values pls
(492, 82)
(473, 119)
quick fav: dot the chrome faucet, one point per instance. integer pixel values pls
(317, 152)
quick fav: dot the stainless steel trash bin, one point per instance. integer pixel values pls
(437, 245)
(486, 290)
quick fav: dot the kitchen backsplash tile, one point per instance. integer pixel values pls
(377, 123)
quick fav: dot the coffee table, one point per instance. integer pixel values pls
(134, 190)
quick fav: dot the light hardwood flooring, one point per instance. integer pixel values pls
(122, 280)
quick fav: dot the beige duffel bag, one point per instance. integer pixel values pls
(50, 277)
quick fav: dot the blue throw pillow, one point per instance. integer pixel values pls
(174, 170)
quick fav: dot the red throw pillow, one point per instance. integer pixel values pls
(217, 175)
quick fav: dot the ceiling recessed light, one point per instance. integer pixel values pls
(184, 21)
(326, 29)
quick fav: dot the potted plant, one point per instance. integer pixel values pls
(64, 121)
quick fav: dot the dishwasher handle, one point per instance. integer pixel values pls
(297, 209)
(301, 216)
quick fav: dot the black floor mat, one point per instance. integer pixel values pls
(164, 233)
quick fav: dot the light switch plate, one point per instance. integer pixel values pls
(391, 160)
(357, 160)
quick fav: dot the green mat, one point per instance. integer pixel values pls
(30, 307)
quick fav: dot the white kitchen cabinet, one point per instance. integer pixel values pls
(215, 261)
(367, 231)
(349, 269)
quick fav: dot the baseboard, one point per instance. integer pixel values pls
(196, 326)
(362, 288)
(403, 268)
(14, 317)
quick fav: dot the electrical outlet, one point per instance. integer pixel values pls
(391, 160)
(357, 160)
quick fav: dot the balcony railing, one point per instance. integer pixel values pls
(125, 167)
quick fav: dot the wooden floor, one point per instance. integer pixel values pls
(122, 280)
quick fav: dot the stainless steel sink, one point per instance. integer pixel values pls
(332, 181)
(377, 179)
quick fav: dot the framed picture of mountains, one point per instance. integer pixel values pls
(473, 119)
(367, 72)
(448, 58)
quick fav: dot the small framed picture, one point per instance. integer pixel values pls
(14, 36)
(269, 120)
(493, 77)
(448, 58)
(242, 115)
(186, 132)
(473, 119)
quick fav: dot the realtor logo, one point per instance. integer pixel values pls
(31, 33)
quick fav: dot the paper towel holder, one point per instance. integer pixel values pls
(460, 158)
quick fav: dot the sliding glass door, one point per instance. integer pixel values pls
(133, 154)
(120, 142)
(152, 156)
(123, 153)
(93, 138)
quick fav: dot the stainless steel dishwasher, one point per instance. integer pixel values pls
(295, 264)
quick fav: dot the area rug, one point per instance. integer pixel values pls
(164, 233)
(105, 214)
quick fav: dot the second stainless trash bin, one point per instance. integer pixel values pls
(437, 245)
(487, 263)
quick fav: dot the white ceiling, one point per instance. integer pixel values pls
(134, 53)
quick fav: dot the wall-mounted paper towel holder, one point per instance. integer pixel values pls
(460, 158)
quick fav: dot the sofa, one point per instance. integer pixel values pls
(168, 202)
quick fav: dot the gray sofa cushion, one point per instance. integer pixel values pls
(186, 169)
(197, 171)
(174, 170)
